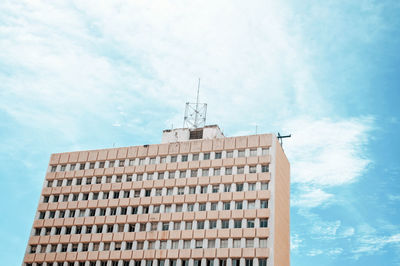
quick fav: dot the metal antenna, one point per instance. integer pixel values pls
(195, 113)
(282, 137)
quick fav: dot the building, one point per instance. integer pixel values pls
(198, 198)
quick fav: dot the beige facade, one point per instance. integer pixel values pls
(221, 201)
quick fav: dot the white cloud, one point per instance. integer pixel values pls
(314, 252)
(311, 198)
(370, 244)
(326, 152)
(295, 242)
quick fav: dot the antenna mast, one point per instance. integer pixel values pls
(195, 113)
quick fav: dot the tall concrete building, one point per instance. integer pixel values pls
(198, 198)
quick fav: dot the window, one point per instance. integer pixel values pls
(142, 227)
(264, 151)
(150, 176)
(173, 159)
(156, 209)
(62, 169)
(129, 178)
(264, 223)
(145, 209)
(218, 155)
(69, 182)
(239, 187)
(251, 205)
(177, 226)
(64, 247)
(153, 226)
(165, 226)
(188, 225)
(46, 199)
(52, 214)
(102, 212)
(241, 153)
(240, 170)
(126, 194)
(190, 207)
(117, 246)
(116, 194)
(72, 213)
(264, 168)
(139, 177)
(91, 166)
(49, 183)
(105, 195)
(68, 230)
(206, 156)
(151, 245)
(249, 262)
(239, 205)
(186, 244)
(136, 193)
(227, 206)
(213, 206)
(178, 208)
(82, 166)
(224, 243)
(163, 244)
(203, 189)
(129, 245)
(251, 186)
(33, 249)
(192, 190)
(217, 171)
(263, 242)
(85, 247)
(252, 169)
(163, 160)
(227, 188)
(200, 224)
(193, 173)
(182, 174)
(53, 168)
(147, 192)
(131, 228)
(205, 172)
(229, 154)
(250, 223)
(253, 152)
(249, 243)
(174, 244)
(160, 176)
(88, 230)
(78, 230)
(264, 204)
(101, 165)
(58, 231)
(134, 210)
(264, 186)
(211, 243)
(236, 243)
(118, 179)
(74, 247)
(184, 158)
(79, 181)
(237, 224)
(215, 189)
(139, 245)
(85, 196)
(199, 243)
(213, 224)
(228, 171)
(124, 210)
(195, 157)
(225, 224)
(47, 231)
(169, 191)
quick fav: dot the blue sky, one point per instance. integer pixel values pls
(78, 75)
